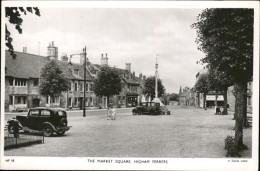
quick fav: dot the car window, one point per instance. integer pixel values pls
(45, 113)
(143, 104)
(148, 104)
(61, 113)
(157, 104)
(34, 113)
(152, 104)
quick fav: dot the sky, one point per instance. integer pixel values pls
(128, 35)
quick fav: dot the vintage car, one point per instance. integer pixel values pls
(47, 120)
(151, 108)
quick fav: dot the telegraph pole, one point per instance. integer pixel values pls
(84, 100)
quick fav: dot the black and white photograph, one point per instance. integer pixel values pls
(152, 85)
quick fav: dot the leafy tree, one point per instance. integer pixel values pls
(107, 83)
(149, 87)
(226, 37)
(219, 82)
(13, 14)
(202, 86)
(174, 97)
(53, 81)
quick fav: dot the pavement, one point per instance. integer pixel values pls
(188, 132)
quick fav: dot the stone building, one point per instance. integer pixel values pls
(131, 92)
(22, 80)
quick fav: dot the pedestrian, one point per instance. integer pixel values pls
(109, 112)
(113, 113)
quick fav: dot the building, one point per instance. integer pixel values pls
(211, 96)
(22, 80)
(131, 93)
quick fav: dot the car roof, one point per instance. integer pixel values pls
(49, 108)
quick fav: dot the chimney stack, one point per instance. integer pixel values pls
(52, 51)
(128, 66)
(140, 75)
(104, 60)
(24, 49)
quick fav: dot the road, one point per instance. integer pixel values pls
(188, 132)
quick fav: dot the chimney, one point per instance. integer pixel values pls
(24, 49)
(104, 60)
(140, 75)
(64, 58)
(144, 77)
(128, 66)
(133, 73)
(52, 51)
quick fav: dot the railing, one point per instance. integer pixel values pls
(22, 139)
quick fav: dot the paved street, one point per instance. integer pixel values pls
(187, 132)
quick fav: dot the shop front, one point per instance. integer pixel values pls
(131, 99)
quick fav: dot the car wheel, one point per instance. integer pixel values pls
(47, 130)
(134, 113)
(139, 113)
(11, 129)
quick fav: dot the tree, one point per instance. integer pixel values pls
(226, 37)
(219, 82)
(107, 83)
(202, 86)
(174, 97)
(53, 81)
(149, 87)
(13, 14)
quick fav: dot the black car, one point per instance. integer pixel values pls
(47, 120)
(151, 108)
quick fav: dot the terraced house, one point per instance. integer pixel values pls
(22, 80)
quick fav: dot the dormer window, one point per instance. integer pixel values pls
(76, 71)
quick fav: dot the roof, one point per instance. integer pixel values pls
(29, 66)
(128, 77)
(185, 93)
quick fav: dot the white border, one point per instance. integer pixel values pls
(76, 163)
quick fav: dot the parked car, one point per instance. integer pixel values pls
(47, 120)
(151, 108)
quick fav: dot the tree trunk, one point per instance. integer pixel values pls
(225, 101)
(235, 94)
(204, 100)
(240, 108)
(245, 110)
(108, 105)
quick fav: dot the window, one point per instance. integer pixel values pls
(11, 81)
(87, 87)
(61, 113)
(91, 87)
(70, 102)
(76, 101)
(76, 71)
(45, 113)
(56, 100)
(20, 82)
(11, 100)
(34, 113)
(80, 86)
(20, 99)
(76, 86)
(35, 82)
(71, 85)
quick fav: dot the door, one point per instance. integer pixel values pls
(32, 118)
(36, 102)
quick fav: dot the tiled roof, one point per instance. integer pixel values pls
(131, 79)
(29, 66)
